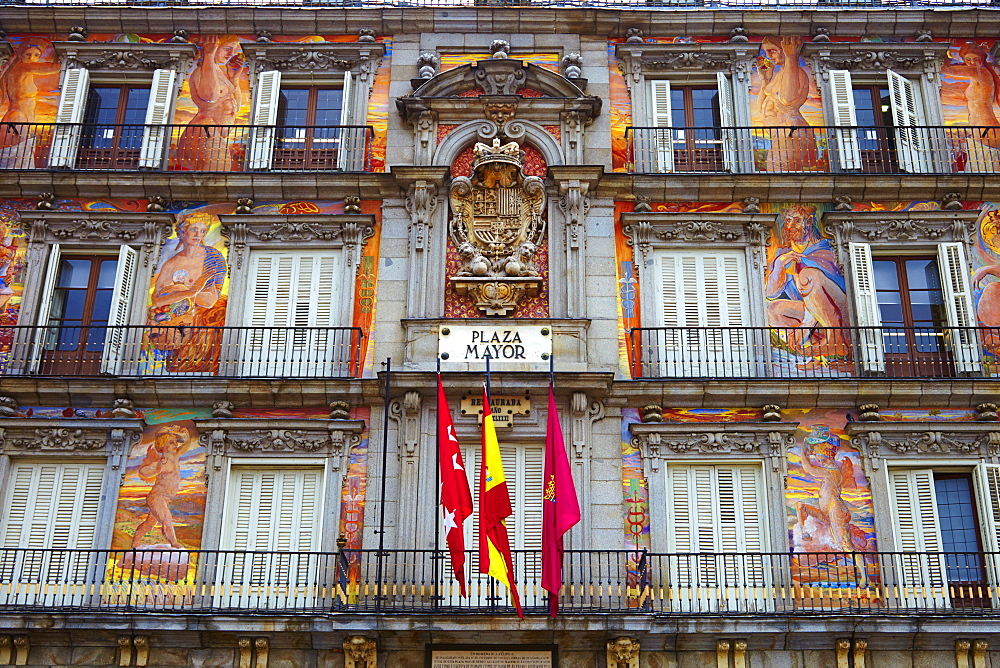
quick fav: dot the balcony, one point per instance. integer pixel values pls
(214, 352)
(814, 352)
(185, 148)
(415, 582)
(815, 149)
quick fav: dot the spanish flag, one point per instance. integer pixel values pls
(494, 508)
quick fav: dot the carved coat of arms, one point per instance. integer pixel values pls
(497, 223)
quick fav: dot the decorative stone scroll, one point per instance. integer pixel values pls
(497, 224)
(107, 228)
(123, 58)
(314, 57)
(334, 438)
(891, 229)
(926, 440)
(911, 57)
(643, 57)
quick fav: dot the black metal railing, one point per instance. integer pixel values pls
(192, 148)
(815, 352)
(419, 581)
(623, 4)
(150, 351)
(820, 149)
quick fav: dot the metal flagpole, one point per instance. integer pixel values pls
(552, 370)
(437, 510)
(385, 458)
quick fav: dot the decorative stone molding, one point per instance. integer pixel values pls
(340, 410)
(421, 202)
(222, 409)
(660, 441)
(8, 407)
(104, 228)
(406, 413)
(869, 413)
(333, 438)
(928, 440)
(262, 649)
(312, 58)
(890, 229)
(986, 412)
(57, 438)
(572, 65)
(360, 652)
(123, 408)
(648, 230)
(771, 413)
(126, 59)
(347, 231)
(574, 202)
(43, 435)
(876, 57)
(585, 413)
(623, 652)
(640, 58)
(427, 66)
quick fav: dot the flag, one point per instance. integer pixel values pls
(560, 508)
(494, 508)
(456, 498)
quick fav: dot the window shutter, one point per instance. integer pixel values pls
(914, 511)
(987, 478)
(44, 307)
(51, 506)
(350, 157)
(117, 337)
(660, 114)
(845, 118)
(727, 117)
(958, 307)
(866, 303)
(154, 135)
(265, 115)
(66, 137)
(911, 141)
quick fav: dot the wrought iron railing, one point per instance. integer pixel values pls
(419, 582)
(819, 149)
(191, 148)
(815, 352)
(150, 351)
(623, 4)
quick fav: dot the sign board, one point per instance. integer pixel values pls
(491, 658)
(504, 407)
(508, 347)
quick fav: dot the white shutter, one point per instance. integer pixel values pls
(50, 506)
(987, 479)
(117, 337)
(295, 289)
(352, 141)
(704, 289)
(844, 116)
(866, 302)
(962, 339)
(155, 133)
(716, 511)
(922, 577)
(72, 99)
(911, 141)
(265, 114)
(44, 307)
(727, 117)
(662, 119)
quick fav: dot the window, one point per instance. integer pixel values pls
(704, 313)
(300, 127)
(693, 126)
(716, 524)
(48, 506)
(111, 126)
(916, 312)
(942, 521)
(84, 311)
(276, 514)
(883, 124)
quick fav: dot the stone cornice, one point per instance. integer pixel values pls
(344, 230)
(85, 435)
(925, 440)
(125, 59)
(667, 229)
(695, 440)
(95, 226)
(708, 57)
(275, 436)
(875, 57)
(894, 228)
(311, 58)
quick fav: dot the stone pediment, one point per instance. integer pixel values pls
(660, 441)
(310, 58)
(925, 441)
(669, 229)
(892, 229)
(707, 57)
(875, 57)
(128, 60)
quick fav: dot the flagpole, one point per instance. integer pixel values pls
(438, 505)
(552, 370)
(385, 459)
(487, 377)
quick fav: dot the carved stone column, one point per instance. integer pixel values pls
(407, 413)
(575, 185)
(422, 186)
(584, 414)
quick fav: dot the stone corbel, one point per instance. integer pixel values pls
(421, 202)
(574, 202)
(425, 128)
(585, 413)
(341, 442)
(623, 652)
(406, 413)
(360, 652)
(121, 441)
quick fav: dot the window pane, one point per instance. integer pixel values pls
(863, 106)
(956, 514)
(923, 274)
(885, 275)
(102, 104)
(73, 273)
(677, 111)
(106, 275)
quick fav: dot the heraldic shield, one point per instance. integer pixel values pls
(497, 224)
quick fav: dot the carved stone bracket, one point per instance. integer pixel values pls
(660, 441)
(98, 228)
(349, 231)
(421, 202)
(890, 229)
(585, 412)
(909, 57)
(623, 652)
(406, 413)
(126, 58)
(360, 652)
(926, 440)
(574, 202)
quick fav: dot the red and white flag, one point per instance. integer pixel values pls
(456, 497)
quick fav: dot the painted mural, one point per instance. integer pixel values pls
(986, 281)
(549, 61)
(13, 266)
(635, 510)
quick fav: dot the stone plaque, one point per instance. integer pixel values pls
(491, 658)
(505, 407)
(509, 347)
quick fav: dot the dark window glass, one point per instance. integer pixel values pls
(959, 532)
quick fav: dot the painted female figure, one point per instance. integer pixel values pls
(784, 90)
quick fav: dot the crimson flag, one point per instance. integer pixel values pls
(560, 508)
(456, 498)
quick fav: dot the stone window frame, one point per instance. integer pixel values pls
(758, 443)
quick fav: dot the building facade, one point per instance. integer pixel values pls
(759, 245)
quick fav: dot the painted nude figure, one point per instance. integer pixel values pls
(981, 93)
(215, 90)
(162, 467)
(19, 91)
(783, 91)
(829, 509)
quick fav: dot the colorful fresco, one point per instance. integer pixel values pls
(620, 111)
(187, 293)
(13, 267)
(549, 61)
(29, 93)
(365, 289)
(986, 279)
(635, 507)
(712, 414)
(627, 277)
(928, 415)
(378, 111)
